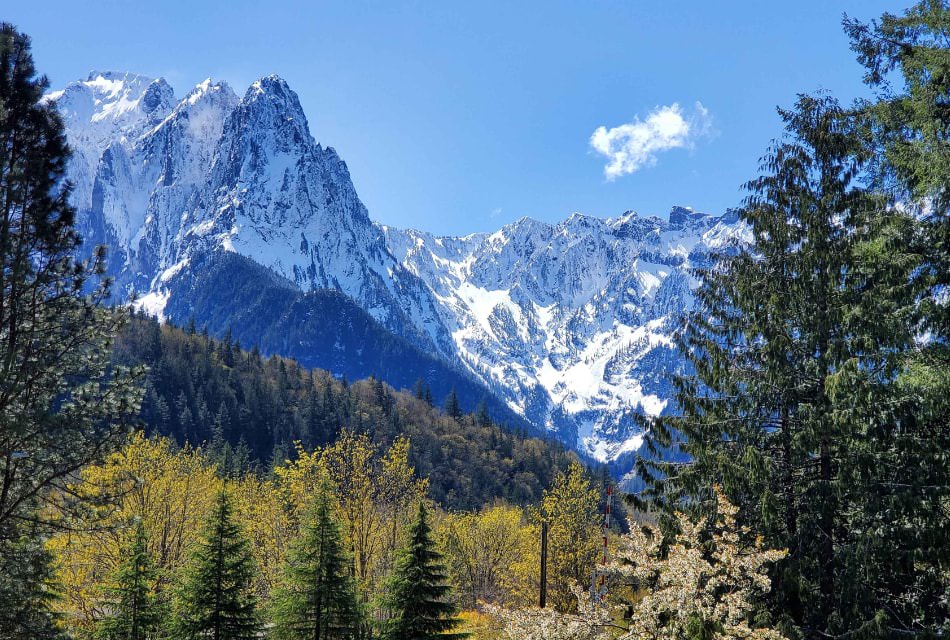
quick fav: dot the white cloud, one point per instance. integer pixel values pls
(635, 145)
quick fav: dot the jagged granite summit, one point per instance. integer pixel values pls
(569, 325)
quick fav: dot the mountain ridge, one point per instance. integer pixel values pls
(570, 324)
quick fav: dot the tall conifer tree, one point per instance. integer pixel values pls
(215, 601)
(907, 125)
(62, 405)
(452, 407)
(418, 589)
(794, 345)
(317, 599)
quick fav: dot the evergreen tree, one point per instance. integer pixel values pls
(907, 58)
(27, 593)
(428, 396)
(227, 349)
(794, 346)
(215, 600)
(318, 596)
(134, 610)
(482, 417)
(452, 407)
(419, 389)
(418, 592)
(62, 406)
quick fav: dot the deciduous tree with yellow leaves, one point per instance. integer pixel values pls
(570, 508)
(169, 491)
(483, 549)
(375, 492)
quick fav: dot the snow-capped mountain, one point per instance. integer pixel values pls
(569, 324)
(161, 180)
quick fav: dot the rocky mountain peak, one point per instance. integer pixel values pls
(681, 217)
(570, 324)
(271, 109)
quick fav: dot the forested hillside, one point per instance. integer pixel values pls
(322, 328)
(252, 410)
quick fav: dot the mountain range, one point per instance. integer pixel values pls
(223, 209)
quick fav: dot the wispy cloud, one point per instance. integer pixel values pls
(635, 145)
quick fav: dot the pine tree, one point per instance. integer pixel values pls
(318, 596)
(134, 609)
(418, 592)
(62, 404)
(215, 600)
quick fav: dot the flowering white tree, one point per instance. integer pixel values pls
(591, 622)
(704, 586)
(706, 583)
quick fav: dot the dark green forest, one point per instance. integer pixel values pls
(251, 410)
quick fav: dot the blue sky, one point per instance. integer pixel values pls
(459, 117)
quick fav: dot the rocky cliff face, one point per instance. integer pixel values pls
(569, 324)
(162, 180)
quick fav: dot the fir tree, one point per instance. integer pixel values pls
(215, 600)
(428, 396)
(418, 592)
(27, 594)
(907, 59)
(482, 417)
(419, 389)
(134, 610)
(317, 598)
(794, 345)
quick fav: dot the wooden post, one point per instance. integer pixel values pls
(542, 600)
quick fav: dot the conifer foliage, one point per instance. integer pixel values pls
(794, 348)
(419, 594)
(907, 59)
(258, 409)
(215, 601)
(317, 600)
(452, 407)
(134, 609)
(61, 403)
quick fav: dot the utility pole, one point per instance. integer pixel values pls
(598, 584)
(542, 600)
